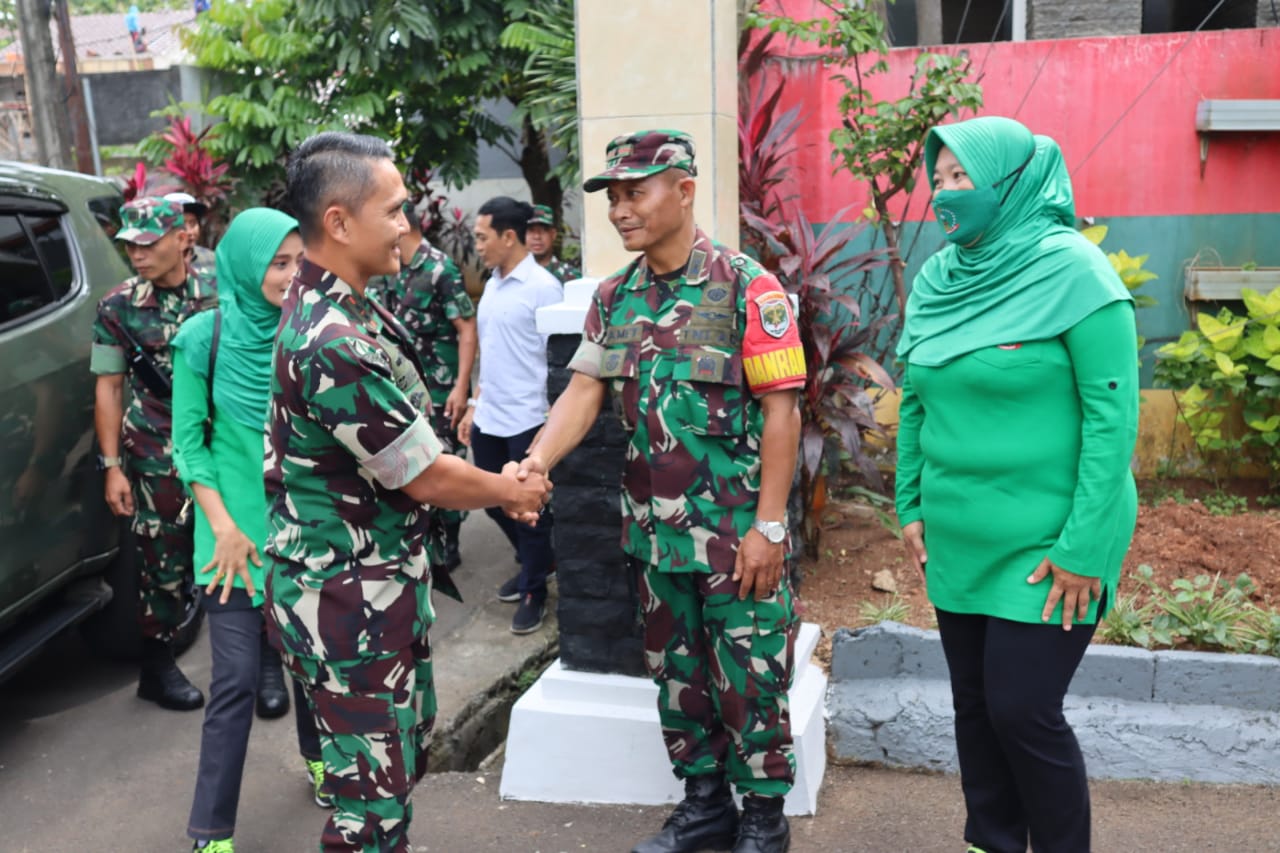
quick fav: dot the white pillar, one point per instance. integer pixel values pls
(659, 64)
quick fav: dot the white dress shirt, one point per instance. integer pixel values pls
(513, 355)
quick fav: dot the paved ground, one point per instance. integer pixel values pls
(84, 765)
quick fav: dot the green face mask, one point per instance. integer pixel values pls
(965, 215)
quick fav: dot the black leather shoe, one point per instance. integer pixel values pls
(162, 682)
(706, 819)
(764, 828)
(273, 693)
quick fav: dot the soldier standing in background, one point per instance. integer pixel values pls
(199, 258)
(351, 461)
(429, 300)
(701, 351)
(540, 238)
(136, 322)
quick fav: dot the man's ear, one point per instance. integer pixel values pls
(184, 238)
(688, 188)
(334, 224)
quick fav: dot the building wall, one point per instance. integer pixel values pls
(1123, 110)
(1055, 19)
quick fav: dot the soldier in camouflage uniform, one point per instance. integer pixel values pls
(701, 352)
(136, 322)
(540, 238)
(199, 258)
(428, 299)
(351, 461)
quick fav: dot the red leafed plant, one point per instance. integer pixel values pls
(190, 162)
(137, 184)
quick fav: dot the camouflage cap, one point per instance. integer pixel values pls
(645, 153)
(542, 215)
(146, 220)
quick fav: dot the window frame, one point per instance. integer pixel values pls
(22, 207)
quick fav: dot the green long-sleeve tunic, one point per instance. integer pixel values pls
(231, 465)
(1016, 452)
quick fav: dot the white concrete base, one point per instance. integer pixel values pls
(580, 737)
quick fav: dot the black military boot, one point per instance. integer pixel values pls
(452, 558)
(273, 695)
(162, 682)
(764, 828)
(706, 819)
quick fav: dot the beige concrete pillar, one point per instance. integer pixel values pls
(659, 64)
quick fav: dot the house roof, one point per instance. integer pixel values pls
(105, 37)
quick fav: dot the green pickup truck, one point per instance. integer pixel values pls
(64, 559)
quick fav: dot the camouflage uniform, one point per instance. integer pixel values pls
(561, 269)
(151, 316)
(348, 594)
(202, 263)
(686, 358)
(426, 297)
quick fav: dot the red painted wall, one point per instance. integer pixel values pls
(1075, 90)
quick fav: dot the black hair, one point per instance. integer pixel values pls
(331, 168)
(507, 214)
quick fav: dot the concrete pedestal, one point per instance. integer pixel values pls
(580, 737)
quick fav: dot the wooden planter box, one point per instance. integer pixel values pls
(1218, 284)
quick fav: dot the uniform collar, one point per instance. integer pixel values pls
(696, 270)
(340, 293)
(145, 294)
(420, 255)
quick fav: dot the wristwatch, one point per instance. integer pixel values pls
(774, 531)
(105, 462)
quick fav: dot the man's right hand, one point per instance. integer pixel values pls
(463, 428)
(531, 464)
(119, 493)
(528, 496)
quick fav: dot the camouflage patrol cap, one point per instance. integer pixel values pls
(645, 153)
(146, 220)
(542, 215)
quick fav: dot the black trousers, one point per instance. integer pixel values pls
(1020, 765)
(532, 544)
(235, 640)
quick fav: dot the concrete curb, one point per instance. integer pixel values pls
(1168, 716)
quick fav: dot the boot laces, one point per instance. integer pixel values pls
(756, 823)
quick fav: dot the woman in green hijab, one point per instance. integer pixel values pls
(218, 452)
(1018, 420)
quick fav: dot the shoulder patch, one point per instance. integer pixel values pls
(775, 313)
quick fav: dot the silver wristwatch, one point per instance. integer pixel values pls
(774, 531)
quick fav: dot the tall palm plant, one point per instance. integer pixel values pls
(547, 93)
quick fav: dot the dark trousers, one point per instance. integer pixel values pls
(1020, 764)
(235, 638)
(532, 544)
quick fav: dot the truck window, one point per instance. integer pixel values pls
(23, 286)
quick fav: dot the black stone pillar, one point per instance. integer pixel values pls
(599, 625)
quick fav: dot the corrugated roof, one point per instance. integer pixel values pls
(106, 36)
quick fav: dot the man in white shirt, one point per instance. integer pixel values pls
(510, 405)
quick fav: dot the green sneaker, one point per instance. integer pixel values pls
(217, 845)
(973, 849)
(315, 775)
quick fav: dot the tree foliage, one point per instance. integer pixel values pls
(418, 74)
(549, 84)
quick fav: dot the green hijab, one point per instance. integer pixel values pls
(1030, 277)
(242, 375)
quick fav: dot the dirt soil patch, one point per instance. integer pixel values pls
(1177, 535)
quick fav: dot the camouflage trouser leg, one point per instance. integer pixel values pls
(374, 717)
(165, 547)
(722, 667)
